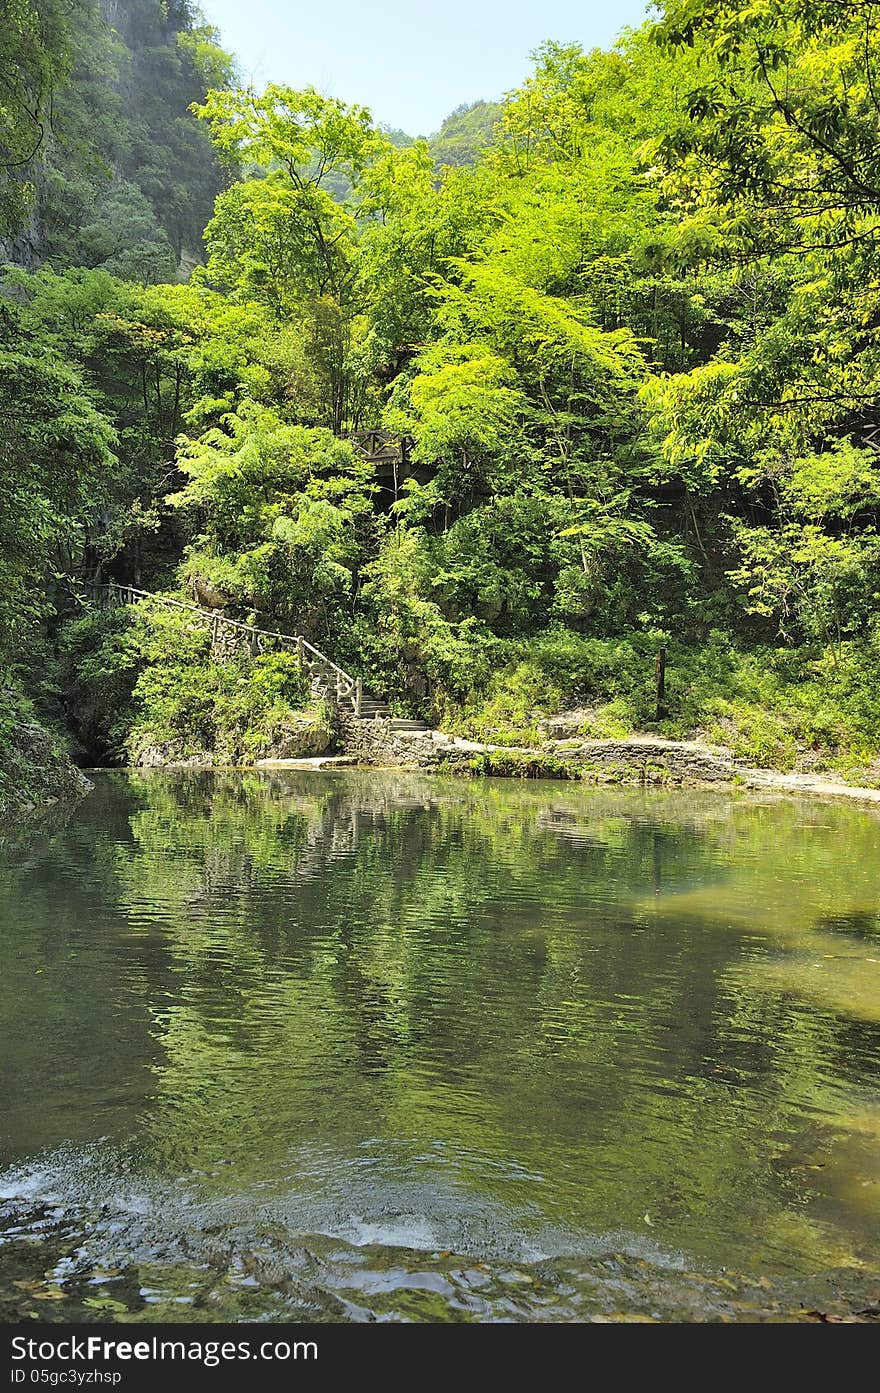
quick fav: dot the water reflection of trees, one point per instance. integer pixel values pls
(601, 986)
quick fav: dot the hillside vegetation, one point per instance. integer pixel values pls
(630, 336)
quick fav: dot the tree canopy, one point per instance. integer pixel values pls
(620, 324)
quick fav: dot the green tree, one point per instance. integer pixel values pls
(282, 239)
(34, 58)
(56, 456)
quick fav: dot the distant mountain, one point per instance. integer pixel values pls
(398, 137)
(465, 132)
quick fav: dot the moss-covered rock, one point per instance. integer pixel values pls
(35, 764)
(298, 735)
(304, 734)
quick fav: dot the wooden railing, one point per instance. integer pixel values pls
(327, 679)
(381, 446)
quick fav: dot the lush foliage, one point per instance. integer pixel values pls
(622, 327)
(466, 133)
(154, 684)
(101, 163)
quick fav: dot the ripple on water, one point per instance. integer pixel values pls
(107, 1244)
(476, 1050)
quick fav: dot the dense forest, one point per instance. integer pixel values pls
(624, 321)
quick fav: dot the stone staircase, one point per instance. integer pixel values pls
(375, 709)
(323, 676)
(327, 681)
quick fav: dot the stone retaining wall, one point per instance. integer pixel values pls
(375, 742)
(684, 761)
(639, 760)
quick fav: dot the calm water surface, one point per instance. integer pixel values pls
(362, 1045)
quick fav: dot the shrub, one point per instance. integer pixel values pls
(147, 677)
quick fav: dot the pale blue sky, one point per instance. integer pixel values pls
(409, 61)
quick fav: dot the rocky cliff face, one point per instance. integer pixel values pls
(24, 248)
(304, 735)
(35, 769)
(124, 178)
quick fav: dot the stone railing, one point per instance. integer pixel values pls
(229, 636)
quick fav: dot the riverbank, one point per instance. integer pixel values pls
(36, 769)
(639, 759)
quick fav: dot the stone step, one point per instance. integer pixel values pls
(400, 724)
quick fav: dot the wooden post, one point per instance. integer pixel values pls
(358, 696)
(661, 683)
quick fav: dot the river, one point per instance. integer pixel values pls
(359, 1045)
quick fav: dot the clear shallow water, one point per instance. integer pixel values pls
(356, 1045)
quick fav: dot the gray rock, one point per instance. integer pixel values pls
(38, 770)
(172, 754)
(301, 739)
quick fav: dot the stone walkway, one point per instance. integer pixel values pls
(817, 785)
(308, 762)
